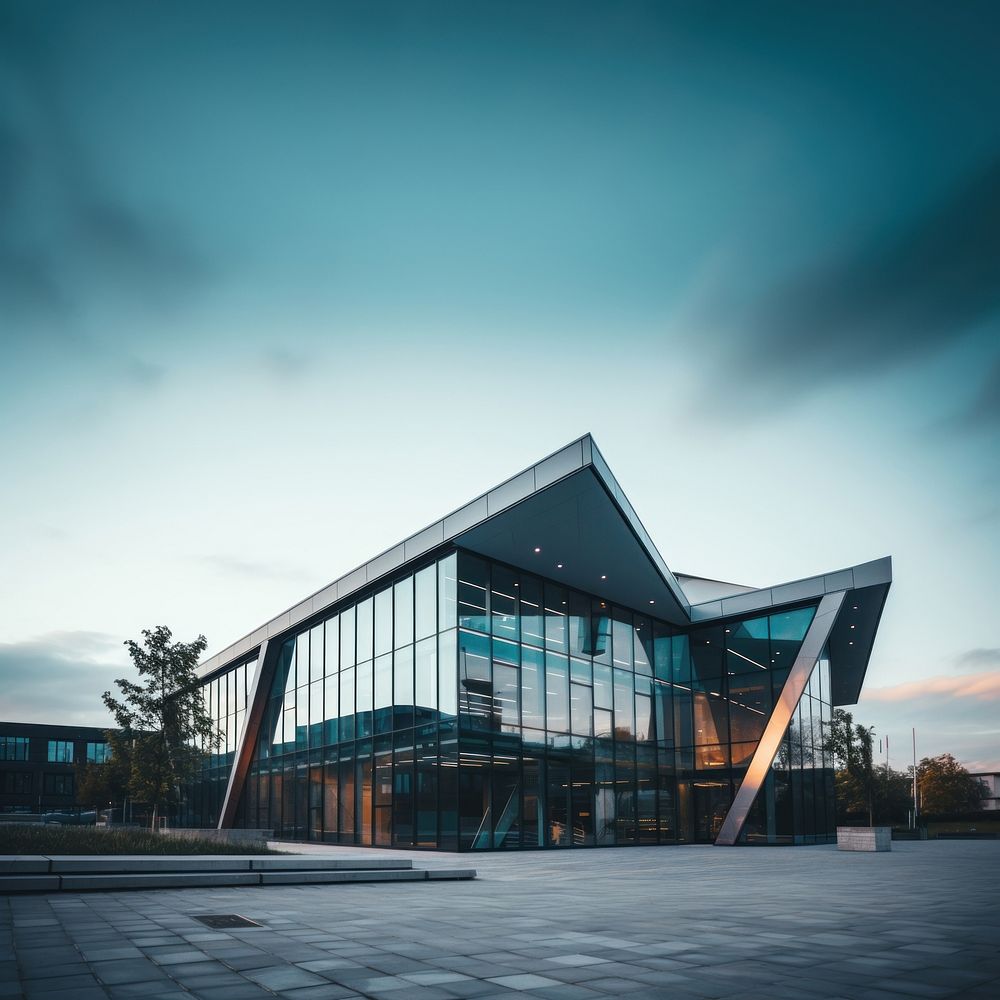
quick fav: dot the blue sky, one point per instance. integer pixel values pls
(280, 284)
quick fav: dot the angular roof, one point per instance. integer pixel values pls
(567, 518)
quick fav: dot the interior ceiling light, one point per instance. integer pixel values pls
(537, 549)
(604, 576)
(652, 602)
(558, 565)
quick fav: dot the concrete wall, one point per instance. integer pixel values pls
(864, 838)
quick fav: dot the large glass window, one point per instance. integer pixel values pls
(347, 637)
(557, 693)
(13, 747)
(621, 626)
(556, 614)
(98, 753)
(581, 710)
(624, 708)
(402, 606)
(315, 655)
(503, 604)
(580, 639)
(473, 593)
(58, 784)
(425, 685)
(533, 687)
(448, 592)
(383, 622)
(425, 602)
(448, 674)
(364, 637)
(60, 752)
(532, 628)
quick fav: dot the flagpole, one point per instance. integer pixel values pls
(914, 777)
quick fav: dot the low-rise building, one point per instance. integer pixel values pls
(37, 765)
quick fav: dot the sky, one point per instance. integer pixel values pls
(280, 284)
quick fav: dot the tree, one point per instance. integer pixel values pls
(850, 746)
(163, 717)
(944, 786)
(100, 784)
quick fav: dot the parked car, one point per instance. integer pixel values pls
(70, 819)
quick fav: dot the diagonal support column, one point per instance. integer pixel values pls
(798, 677)
(267, 659)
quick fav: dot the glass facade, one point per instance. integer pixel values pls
(60, 752)
(469, 706)
(13, 747)
(225, 697)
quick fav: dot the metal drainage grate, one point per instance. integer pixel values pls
(220, 920)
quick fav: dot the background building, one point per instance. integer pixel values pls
(37, 773)
(528, 672)
(990, 780)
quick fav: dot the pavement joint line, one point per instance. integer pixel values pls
(779, 924)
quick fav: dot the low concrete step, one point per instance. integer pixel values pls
(322, 878)
(303, 862)
(23, 863)
(117, 864)
(84, 882)
(156, 880)
(24, 873)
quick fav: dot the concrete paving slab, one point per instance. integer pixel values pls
(665, 923)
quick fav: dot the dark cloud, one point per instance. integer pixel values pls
(984, 410)
(144, 374)
(69, 240)
(29, 289)
(60, 677)
(980, 659)
(899, 297)
(285, 365)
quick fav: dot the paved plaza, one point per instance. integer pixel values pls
(668, 922)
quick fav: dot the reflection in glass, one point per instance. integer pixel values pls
(557, 692)
(425, 602)
(504, 603)
(473, 591)
(402, 613)
(556, 607)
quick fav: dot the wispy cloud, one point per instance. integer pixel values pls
(982, 687)
(249, 568)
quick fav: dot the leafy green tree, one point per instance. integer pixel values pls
(163, 718)
(944, 786)
(851, 746)
(108, 782)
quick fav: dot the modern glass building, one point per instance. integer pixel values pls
(528, 673)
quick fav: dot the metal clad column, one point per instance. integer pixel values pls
(267, 658)
(798, 677)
